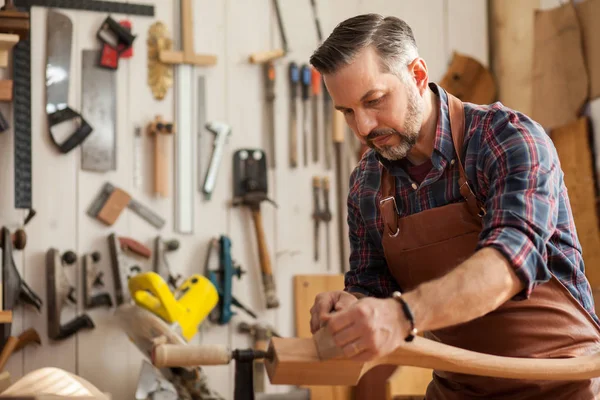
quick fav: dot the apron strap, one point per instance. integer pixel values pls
(457, 126)
(387, 204)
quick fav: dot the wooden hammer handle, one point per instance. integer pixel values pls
(7, 350)
(176, 355)
(265, 261)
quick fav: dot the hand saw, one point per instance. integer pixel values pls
(98, 98)
(58, 66)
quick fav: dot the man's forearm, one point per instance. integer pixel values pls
(477, 286)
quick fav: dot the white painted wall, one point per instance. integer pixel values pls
(62, 192)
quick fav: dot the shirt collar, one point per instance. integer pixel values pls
(443, 145)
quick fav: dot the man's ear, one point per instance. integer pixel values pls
(418, 70)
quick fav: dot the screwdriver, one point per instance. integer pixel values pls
(306, 75)
(316, 91)
(270, 100)
(294, 75)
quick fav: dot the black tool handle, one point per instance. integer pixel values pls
(27, 295)
(67, 114)
(99, 300)
(306, 79)
(74, 326)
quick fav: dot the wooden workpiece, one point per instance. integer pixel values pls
(7, 42)
(187, 56)
(296, 361)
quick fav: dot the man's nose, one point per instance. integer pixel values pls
(365, 123)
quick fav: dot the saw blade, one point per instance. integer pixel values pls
(58, 60)
(98, 94)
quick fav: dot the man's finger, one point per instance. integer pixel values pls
(341, 319)
(346, 336)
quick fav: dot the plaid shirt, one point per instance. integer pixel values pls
(513, 168)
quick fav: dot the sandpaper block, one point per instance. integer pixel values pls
(113, 207)
(326, 347)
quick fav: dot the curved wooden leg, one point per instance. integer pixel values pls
(53, 381)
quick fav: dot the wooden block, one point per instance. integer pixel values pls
(116, 202)
(6, 90)
(7, 41)
(408, 381)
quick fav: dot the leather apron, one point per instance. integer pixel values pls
(550, 323)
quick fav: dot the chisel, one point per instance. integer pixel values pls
(316, 214)
(294, 75)
(270, 105)
(305, 82)
(316, 91)
(338, 140)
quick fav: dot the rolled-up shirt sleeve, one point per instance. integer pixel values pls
(521, 173)
(369, 274)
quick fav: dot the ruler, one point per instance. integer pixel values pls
(98, 107)
(22, 85)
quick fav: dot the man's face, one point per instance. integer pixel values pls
(382, 110)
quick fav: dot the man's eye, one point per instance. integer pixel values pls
(348, 111)
(374, 102)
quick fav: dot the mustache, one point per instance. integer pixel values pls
(381, 132)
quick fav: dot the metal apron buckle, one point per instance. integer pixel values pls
(395, 209)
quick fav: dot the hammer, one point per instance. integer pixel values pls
(261, 334)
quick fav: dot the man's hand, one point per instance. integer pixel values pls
(327, 302)
(369, 328)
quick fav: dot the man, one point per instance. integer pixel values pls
(459, 219)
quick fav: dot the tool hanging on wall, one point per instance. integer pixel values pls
(271, 55)
(269, 80)
(326, 218)
(58, 66)
(111, 201)
(222, 132)
(338, 140)
(161, 131)
(92, 278)
(116, 39)
(200, 126)
(124, 265)
(14, 21)
(220, 270)
(316, 214)
(161, 265)
(98, 106)
(59, 291)
(137, 157)
(186, 94)
(315, 81)
(16, 343)
(250, 189)
(294, 76)
(160, 75)
(14, 289)
(305, 76)
(22, 81)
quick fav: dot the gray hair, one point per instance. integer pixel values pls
(391, 37)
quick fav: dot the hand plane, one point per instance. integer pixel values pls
(14, 288)
(92, 278)
(59, 291)
(161, 266)
(221, 272)
(124, 266)
(186, 308)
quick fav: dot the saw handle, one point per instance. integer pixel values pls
(67, 114)
(265, 261)
(176, 355)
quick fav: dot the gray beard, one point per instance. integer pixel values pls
(412, 125)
